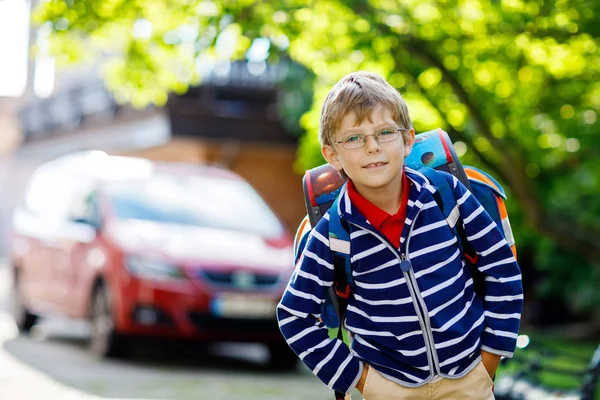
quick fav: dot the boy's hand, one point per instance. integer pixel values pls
(490, 362)
(361, 383)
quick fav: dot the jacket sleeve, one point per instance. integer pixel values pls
(503, 301)
(299, 311)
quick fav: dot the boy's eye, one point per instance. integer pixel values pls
(352, 138)
(386, 132)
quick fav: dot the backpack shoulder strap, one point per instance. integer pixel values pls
(339, 237)
(444, 197)
(339, 243)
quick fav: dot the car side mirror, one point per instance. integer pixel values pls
(87, 221)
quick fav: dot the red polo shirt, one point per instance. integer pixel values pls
(389, 225)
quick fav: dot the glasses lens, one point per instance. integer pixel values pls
(354, 144)
(387, 136)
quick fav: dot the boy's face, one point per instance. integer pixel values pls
(375, 165)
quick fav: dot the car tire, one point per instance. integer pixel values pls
(281, 357)
(104, 340)
(24, 319)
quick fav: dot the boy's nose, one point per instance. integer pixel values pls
(371, 144)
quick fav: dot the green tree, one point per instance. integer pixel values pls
(516, 82)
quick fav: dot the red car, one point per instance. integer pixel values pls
(153, 249)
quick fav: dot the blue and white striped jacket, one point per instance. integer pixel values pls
(409, 326)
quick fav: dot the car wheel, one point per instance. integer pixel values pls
(23, 318)
(281, 357)
(104, 340)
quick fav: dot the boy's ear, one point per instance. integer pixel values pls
(409, 141)
(331, 157)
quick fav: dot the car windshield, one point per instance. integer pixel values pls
(221, 203)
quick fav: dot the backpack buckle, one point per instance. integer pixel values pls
(344, 294)
(472, 258)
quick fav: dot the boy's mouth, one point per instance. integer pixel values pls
(375, 165)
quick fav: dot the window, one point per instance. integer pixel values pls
(199, 201)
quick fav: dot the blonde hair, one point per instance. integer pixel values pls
(360, 92)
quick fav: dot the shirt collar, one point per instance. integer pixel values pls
(375, 215)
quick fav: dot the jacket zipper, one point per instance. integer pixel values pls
(419, 303)
(412, 284)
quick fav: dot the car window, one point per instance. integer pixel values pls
(200, 201)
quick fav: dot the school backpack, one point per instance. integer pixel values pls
(432, 152)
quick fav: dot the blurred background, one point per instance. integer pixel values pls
(237, 86)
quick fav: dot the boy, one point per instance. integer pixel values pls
(418, 329)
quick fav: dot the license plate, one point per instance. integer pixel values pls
(243, 306)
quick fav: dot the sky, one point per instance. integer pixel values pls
(14, 40)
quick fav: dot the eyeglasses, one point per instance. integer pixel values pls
(357, 141)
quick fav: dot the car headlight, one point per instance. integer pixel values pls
(153, 269)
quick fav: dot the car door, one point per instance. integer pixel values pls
(36, 223)
(77, 240)
(46, 210)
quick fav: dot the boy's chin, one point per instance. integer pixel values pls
(372, 182)
(375, 180)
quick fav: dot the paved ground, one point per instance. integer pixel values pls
(54, 364)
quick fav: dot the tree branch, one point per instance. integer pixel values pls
(572, 237)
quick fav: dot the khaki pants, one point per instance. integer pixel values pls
(476, 385)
